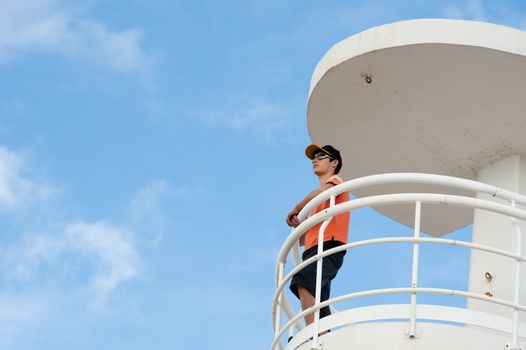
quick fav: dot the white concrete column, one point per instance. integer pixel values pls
(496, 231)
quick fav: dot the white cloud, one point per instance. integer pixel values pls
(146, 202)
(106, 253)
(51, 26)
(18, 309)
(471, 9)
(17, 189)
(88, 259)
(187, 192)
(495, 12)
(263, 118)
(119, 51)
(145, 210)
(110, 249)
(22, 260)
(476, 10)
(20, 312)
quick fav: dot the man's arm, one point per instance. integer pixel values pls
(292, 216)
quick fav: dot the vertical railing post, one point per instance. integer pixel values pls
(277, 319)
(291, 333)
(516, 291)
(319, 269)
(414, 277)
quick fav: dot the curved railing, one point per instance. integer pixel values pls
(280, 302)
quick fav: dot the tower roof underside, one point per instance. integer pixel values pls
(432, 96)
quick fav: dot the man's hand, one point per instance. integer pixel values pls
(292, 218)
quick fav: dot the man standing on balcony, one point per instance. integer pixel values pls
(326, 164)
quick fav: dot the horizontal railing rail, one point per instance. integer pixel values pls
(413, 179)
(393, 199)
(280, 303)
(376, 241)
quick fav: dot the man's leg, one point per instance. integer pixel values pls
(306, 300)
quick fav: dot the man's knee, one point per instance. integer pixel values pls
(304, 292)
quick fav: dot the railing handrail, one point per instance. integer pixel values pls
(404, 179)
(415, 179)
(391, 199)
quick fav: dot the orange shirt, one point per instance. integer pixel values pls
(338, 228)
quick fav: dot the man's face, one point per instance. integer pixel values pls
(321, 164)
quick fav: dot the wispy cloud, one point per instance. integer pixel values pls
(479, 10)
(53, 26)
(471, 9)
(267, 120)
(189, 191)
(145, 210)
(17, 188)
(20, 312)
(105, 253)
(111, 249)
(63, 271)
(86, 259)
(259, 258)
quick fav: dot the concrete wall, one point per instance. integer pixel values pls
(497, 231)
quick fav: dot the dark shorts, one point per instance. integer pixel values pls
(307, 276)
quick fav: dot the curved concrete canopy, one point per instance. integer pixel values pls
(433, 96)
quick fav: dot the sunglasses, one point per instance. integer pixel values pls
(321, 156)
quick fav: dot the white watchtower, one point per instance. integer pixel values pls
(430, 116)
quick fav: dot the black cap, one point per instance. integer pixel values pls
(332, 152)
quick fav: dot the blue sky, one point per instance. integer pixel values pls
(149, 151)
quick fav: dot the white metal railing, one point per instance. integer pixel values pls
(280, 303)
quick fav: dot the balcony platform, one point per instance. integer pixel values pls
(439, 327)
